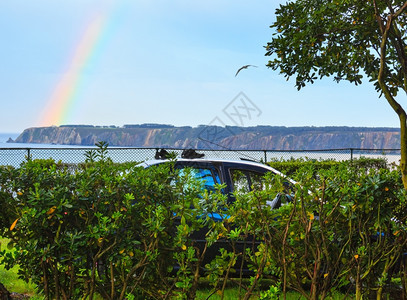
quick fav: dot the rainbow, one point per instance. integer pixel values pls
(66, 93)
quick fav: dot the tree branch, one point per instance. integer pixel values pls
(378, 18)
(400, 10)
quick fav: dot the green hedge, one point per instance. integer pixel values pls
(118, 230)
(103, 229)
(345, 230)
(291, 166)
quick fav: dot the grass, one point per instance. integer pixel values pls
(9, 278)
(229, 294)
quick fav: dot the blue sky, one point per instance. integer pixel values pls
(170, 62)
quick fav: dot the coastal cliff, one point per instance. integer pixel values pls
(214, 137)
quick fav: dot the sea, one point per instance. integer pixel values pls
(15, 153)
(4, 137)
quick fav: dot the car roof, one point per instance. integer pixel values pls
(215, 161)
(205, 160)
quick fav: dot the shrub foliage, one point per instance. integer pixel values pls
(123, 231)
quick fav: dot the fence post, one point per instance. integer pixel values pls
(351, 154)
(265, 156)
(28, 154)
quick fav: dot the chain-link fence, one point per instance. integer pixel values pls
(15, 156)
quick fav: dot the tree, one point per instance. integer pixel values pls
(346, 39)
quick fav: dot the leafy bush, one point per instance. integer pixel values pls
(344, 228)
(119, 230)
(291, 166)
(103, 229)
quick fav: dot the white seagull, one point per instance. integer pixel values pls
(244, 67)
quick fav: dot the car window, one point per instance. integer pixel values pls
(245, 181)
(209, 176)
(257, 180)
(240, 181)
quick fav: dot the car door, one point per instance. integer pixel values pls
(243, 178)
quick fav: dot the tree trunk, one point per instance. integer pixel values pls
(403, 129)
(4, 293)
(358, 292)
(385, 29)
(403, 147)
(404, 276)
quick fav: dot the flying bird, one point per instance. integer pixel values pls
(244, 67)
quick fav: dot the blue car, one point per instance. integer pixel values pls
(239, 175)
(233, 175)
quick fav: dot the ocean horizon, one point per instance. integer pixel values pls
(4, 137)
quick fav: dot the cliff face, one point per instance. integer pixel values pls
(213, 137)
(49, 135)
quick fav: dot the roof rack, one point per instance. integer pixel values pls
(186, 153)
(162, 154)
(191, 153)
